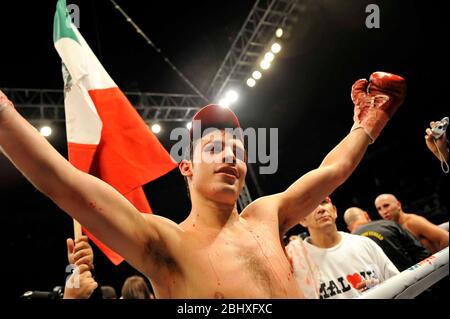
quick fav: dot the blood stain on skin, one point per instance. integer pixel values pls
(219, 295)
(94, 206)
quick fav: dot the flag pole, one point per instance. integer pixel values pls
(77, 233)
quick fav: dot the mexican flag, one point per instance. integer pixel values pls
(106, 136)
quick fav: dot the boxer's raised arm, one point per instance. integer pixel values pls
(375, 103)
(95, 204)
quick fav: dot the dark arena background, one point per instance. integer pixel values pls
(305, 94)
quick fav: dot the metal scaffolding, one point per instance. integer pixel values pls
(249, 45)
(41, 104)
(251, 42)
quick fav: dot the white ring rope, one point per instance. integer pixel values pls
(444, 226)
(412, 281)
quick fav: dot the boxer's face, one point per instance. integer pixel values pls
(218, 167)
(388, 207)
(323, 216)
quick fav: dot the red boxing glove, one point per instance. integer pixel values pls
(4, 102)
(376, 101)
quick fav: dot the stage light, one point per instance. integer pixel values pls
(276, 47)
(256, 75)
(46, 131)
(232, 96)
(156, 128)
(269, 56)
(265, 64)
(279, 33)
(251, 82)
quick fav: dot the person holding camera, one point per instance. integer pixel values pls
(436, 140)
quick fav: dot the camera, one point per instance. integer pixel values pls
(57, 293)
(440, 128)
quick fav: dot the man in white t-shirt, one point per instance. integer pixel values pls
(339, 264)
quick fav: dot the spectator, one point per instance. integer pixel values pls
(135, 287)
(108, 292)
(342, 265)
(430, 235)
(397, 243)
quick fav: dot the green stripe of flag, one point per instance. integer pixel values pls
(62, 23)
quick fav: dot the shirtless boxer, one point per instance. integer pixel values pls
(215, 252)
